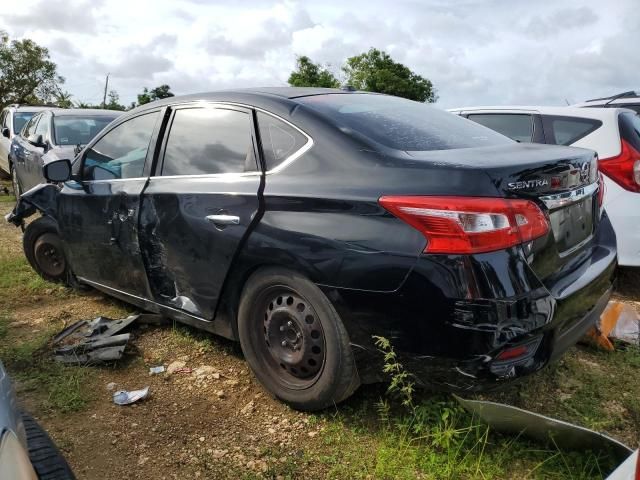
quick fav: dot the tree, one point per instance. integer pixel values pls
(163, 91)
(63, 99)
(375, 71)
(27, 75)
(114, 101)
(309, 74)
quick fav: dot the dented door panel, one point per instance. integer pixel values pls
(187, 255)
(100, 228)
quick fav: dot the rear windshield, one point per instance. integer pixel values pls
(78, 130)
(20, 119)
(401, 124)
(630, 128)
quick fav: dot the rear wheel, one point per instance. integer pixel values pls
(44, 251)
(295, 341)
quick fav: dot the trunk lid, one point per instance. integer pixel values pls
(562, 181)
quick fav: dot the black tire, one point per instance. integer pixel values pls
(294, 340)
(44, 250)
(45, 457)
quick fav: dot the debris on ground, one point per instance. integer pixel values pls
(156, 370)
(89, 342)
(516, 421)
(619, 321)
(176, 366)
(124, 397)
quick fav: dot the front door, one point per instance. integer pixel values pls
(199, 205)
(100, 211)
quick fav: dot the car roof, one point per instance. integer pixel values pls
(250, 94)
(85, 112)
(30, 108)
(598, 113)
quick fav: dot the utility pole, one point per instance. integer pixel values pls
(106, 85)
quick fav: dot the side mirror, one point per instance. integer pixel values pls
(36, 141)
(6, 132)
(57, 171)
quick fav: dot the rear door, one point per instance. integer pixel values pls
(199, 205)
(522, 127)
(22, 152)
(101, 211)
(33, 161)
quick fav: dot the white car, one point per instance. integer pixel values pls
(614, 133)
(629, 99)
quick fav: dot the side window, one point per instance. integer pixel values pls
(30, 127)
(207, 141)
(122, 151)
(279, 140)
(43, 127)
(568, 130)
(516, 126)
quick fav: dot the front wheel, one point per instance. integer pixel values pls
(44, 251)
(294, 340)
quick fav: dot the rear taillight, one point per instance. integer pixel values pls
(623, 169)
(463, 225)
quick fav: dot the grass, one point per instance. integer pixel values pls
(63, 388)
(439, 440)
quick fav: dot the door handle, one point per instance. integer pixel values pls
(223, 219)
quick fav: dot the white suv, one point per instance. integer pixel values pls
(612, 132)
(621, 100)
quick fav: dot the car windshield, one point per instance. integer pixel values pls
(78, 130)
(20, 119)
(401, 124)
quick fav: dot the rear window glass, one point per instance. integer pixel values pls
(204, 141)
(279, 140)
(72, 130)
(630, 129)
(568, 130)
(516, 126)
(20, 119)
(401, 124)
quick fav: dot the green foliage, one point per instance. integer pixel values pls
(63, 99)
(27, 75)
(114, 102)
(376, 71)
(163, 91)
(309, 74)
(402, 383)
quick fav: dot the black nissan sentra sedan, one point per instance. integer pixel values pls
(303, 222)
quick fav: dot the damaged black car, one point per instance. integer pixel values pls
(305, 222)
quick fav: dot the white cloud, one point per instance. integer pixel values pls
(475, 51)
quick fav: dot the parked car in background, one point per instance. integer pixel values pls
(303, 222)
(614, 133)
(629, 100)
(26, 451)
(12, 119)
(50, 135)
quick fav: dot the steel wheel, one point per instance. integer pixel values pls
(49, 255)
(293, 338)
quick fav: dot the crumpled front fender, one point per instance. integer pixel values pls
(42, 198)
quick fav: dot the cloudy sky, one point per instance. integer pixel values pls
(475, 51)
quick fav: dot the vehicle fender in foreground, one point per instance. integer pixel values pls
(42, 198)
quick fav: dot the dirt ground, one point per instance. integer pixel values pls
(215, 422)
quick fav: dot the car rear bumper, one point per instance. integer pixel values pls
(458, 322)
